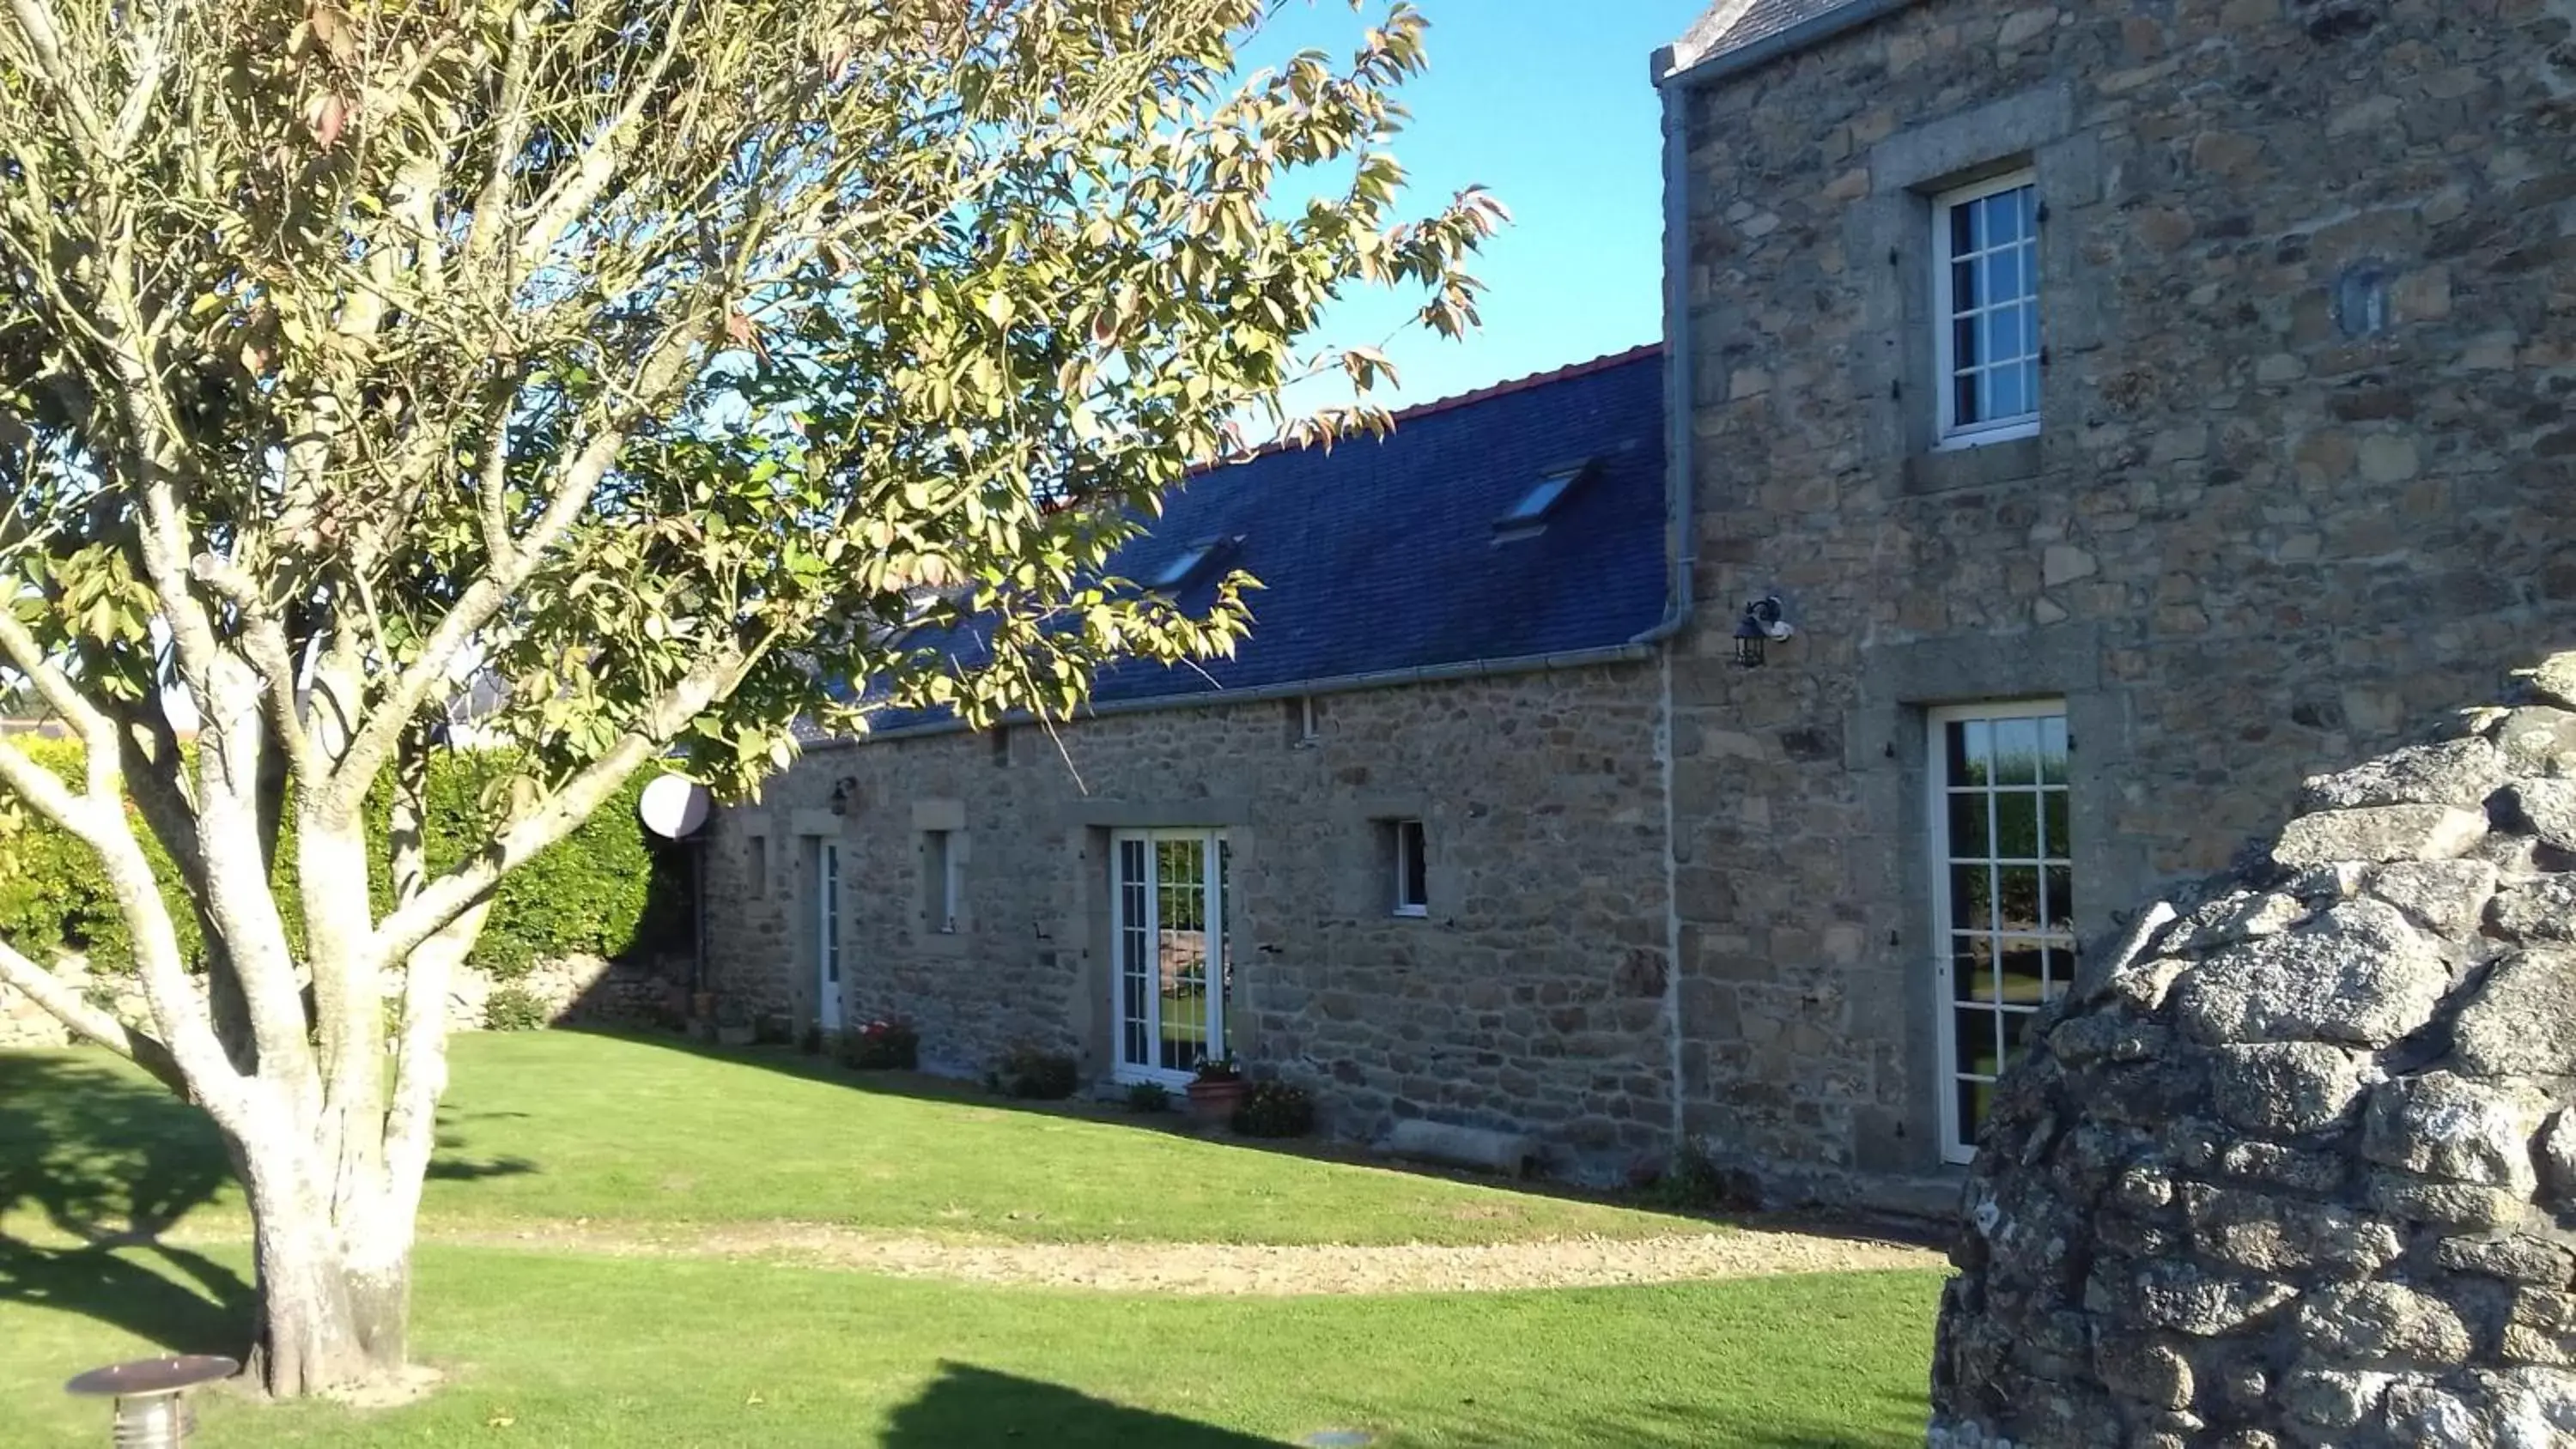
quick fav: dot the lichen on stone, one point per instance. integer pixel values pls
(2300, 1165)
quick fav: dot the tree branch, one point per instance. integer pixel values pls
(44, 36)
(420, 1051)
(274, 658)
(580, 186)
(97, 731)
(66, 1006)
(556, 816)
(233, 771)
(509, 133)
(154, 56)
(53, 799)
(156, 780)
(186, 1030)
(575, 481)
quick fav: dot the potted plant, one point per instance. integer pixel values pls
(1217, 1090)
(886, 1044)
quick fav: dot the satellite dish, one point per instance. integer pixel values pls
(673, 807)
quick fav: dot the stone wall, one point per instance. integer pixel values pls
(582, 990)
(2303, 473)
(2299, 1167)
(1532, 997)
(25, 1024)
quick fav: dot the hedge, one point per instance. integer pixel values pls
(603, 891)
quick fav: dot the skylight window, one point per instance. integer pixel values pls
(1179, 570)
(1189, 563)
(1535, 505)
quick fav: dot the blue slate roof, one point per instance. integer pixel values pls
(1382, 554)
(1731, 26)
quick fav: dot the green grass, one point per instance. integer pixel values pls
(560, 1348)
(563, 1125)
(575, 1352)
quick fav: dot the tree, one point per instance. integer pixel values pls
(660, 359)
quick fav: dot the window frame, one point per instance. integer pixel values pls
(942, 875)
(1958, 1137)
(1948, 433)
(1530, 511)
(1141, 915)
(1178, 571)
(831, 1010)
(1409, 863)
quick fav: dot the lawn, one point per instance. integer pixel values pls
(564, 1125)
(563, 1348)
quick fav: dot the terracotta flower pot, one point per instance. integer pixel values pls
(1213, 1103)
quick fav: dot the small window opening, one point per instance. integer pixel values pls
(759, 866)
(940, 873)
(1001, 739)
(1412, 874)
(1305, 722)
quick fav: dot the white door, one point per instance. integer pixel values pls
(827, 933)
(1172, 949)
(2003, 894)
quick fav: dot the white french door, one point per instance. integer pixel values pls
(1172, 950)
(827, 933)
(2003, 894)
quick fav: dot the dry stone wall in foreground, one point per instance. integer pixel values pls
(2296, 1163)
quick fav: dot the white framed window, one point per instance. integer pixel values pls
(1171, 932)
(827, 933)
(1985, 310)
(943, 873)
(1412, 874)
(2003, 893)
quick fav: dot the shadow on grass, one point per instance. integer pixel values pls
(968, 1408)
(113, 1162)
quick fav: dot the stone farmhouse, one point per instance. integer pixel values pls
(1407, 847)
(2128, 409)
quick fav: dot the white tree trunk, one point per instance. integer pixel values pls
(331, 1125)
(309, 1338)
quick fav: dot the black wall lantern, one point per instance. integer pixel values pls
(1764, 624)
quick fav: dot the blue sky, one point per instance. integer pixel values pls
(1549, 105)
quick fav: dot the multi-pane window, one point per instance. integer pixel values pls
(827, 932)
(1172, 921)
(1412, 874)
(1986, 310)
(2003, 893)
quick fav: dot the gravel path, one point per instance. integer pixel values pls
(1235, 1269)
